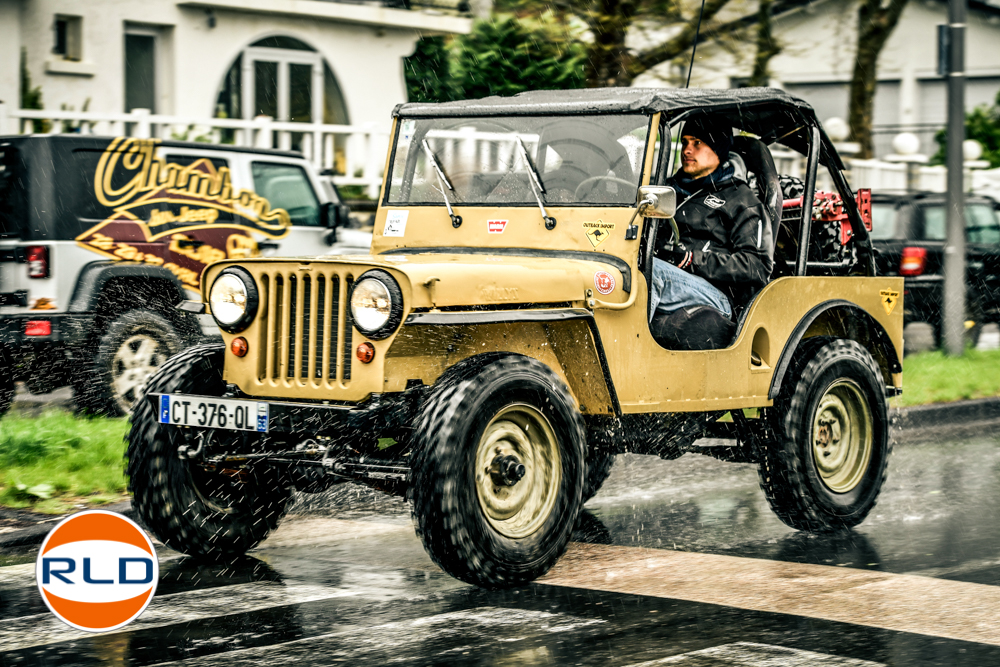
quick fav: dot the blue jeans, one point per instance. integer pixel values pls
(675, 288)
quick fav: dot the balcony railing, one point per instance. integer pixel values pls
(355, 154)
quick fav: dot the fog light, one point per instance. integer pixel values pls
(366, 352)
(239, 346)
(41, 328)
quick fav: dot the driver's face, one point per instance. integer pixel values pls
(697, 159)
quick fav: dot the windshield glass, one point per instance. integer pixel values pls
(593, 160)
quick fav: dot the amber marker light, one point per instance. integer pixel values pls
(240, 346)
(366, 352)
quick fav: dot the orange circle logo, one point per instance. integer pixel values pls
(97, 571)
(604, 282)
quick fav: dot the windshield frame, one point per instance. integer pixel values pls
(641, 174)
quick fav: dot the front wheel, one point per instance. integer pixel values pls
(498, 474)
(215, 512)
(823, 465)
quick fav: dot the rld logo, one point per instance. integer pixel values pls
(97, 571)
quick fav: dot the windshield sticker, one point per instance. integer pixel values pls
(604, 282)
(597, 232)
(395, 223)
(889, 299)
(496, 226)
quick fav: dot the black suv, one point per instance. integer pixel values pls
(909, 234)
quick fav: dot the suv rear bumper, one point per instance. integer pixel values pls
(69, 329)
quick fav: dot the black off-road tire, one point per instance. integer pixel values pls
(450, 516)
(96, 388)
(598, 469)
(190, 507)
(789, 474)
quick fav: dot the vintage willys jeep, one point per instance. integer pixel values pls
(494, 352)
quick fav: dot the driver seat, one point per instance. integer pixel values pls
(759, 162)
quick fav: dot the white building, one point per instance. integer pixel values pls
(818, 39)
(310, 61)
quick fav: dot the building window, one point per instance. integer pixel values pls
(68, 37)
(140, 72)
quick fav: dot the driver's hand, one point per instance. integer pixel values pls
(677, 255)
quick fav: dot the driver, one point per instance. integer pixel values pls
(724, 254)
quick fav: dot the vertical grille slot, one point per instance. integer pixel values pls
(348, 328)
(294, 316)
(264, 344)
(307, 342)
(316, 371)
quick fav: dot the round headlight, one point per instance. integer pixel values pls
(376, 304)
(233, 299)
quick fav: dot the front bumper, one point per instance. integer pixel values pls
(361, 425)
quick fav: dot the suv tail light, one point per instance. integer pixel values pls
(913, 261)
(38, 261)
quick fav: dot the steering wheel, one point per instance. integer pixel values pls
(595, 179)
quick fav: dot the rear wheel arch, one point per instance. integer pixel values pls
(839, 319)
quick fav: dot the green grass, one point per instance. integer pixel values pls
(56, 462)
(932, 377)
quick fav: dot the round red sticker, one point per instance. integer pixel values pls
(97, 571)
(604, 282)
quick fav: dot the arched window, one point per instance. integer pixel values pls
(284, 78)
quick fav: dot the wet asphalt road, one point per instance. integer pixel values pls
(674, 563)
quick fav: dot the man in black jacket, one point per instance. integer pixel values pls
(724, 254)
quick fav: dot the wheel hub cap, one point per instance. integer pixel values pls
(842, 433)
(136, 359)
(518, 471)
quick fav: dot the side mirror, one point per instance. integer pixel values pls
(657, 201)
(333, 215)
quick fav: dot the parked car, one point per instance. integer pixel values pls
(101, 237)
(908, 231)
(494, 352)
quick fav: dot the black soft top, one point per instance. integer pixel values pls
(609, 100)
(767, 112)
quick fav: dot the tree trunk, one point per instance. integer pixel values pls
(875, 25)
(767, 47)
(611, 62)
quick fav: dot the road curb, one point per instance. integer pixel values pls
(940, 415)
(33, 535)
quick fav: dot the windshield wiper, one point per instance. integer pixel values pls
(536, 186)
(456, 220)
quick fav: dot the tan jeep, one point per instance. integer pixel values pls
(494, 352)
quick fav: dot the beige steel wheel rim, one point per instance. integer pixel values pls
(841, 436)
(518, 510)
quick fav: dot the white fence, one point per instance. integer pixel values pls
(354, 153)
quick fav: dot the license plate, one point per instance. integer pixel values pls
(213, 413)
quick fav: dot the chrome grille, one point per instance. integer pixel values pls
(306, 329)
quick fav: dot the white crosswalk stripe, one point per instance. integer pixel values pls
(41, 629)
(411, 639)
(749, 654)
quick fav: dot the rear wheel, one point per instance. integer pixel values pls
(498, 473)
(209, 511)
(824, 461)
(129, 352)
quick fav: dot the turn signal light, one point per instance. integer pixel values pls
(913, 261)
(38, 261)
(366, 352)
(240, 346)
(38, 328)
